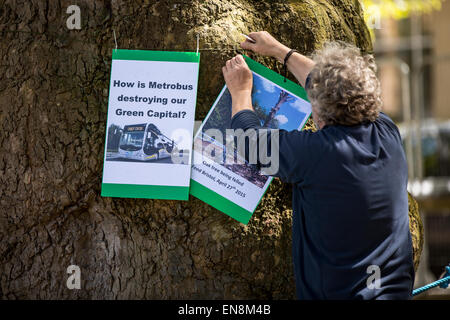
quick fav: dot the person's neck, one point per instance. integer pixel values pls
(320, 124)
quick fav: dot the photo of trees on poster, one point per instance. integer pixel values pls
(275, 108)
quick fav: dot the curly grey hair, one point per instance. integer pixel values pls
(343, 86)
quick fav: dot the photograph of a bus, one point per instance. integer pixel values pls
(142, 142)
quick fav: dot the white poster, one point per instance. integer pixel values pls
(233, 188)
(151, 113)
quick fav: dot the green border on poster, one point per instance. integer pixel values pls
(144, 55)
(147, 191)
(144, 191)
(276, 78)
(220, 203)
(217, 201)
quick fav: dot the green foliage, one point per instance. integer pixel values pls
(221, 116)
(398, 9)
(114, 134)
(259, 110)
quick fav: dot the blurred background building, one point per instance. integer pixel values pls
(412, 47)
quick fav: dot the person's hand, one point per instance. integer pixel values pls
(239, 80)
(238, 76)
(265, 45)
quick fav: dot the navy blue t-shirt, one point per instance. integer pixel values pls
(350, 209)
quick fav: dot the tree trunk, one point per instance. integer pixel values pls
(53, 97)
(284, 97)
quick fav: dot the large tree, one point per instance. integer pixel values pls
(53, 97)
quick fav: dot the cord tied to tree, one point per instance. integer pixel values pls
(443, 283)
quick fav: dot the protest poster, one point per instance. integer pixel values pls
(233, 188)
(150, 121)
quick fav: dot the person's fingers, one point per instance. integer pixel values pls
(255, 35)
(225, 73)
(239, 59)
(247, 45)
(233, 62)
(228, 64)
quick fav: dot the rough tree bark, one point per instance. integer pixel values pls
(53, 98)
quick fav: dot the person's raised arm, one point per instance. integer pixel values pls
(239, 81)
(285, 162)
(266, 45)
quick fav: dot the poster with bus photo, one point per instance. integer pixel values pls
(151, 112)
(236, 187)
